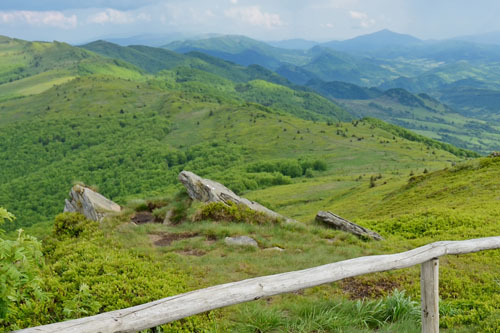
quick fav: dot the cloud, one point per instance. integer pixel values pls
(234, 2)
(255, 16)
(114, 16)
(43, 5)
(364, 20)
(335, 4)
(48, 18)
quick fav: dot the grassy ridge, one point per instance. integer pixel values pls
(28, 68)
(162, 127)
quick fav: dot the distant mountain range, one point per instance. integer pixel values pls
(294, 44)
(420, 112)
(384, 59)
(485, 38)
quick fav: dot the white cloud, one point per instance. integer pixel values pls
(363, 18)
(234, 2)
(39, 18)
(114, 16)
(328, 25)
(254, 16)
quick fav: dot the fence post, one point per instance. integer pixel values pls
(429, 287)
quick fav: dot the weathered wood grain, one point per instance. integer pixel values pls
(429, 288)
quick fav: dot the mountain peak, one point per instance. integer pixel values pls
(386, 36)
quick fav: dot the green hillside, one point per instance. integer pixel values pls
(466, 127)
(427, 116)
(242, 50)
(299, 66)
(150, 59)
(154, 60)
(28, 68)
(74, 140)
(128, 134)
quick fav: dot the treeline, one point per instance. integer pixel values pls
(291, 168)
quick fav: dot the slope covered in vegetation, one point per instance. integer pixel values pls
(28, 68)
(129, 134)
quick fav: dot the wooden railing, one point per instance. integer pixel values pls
(176, 307)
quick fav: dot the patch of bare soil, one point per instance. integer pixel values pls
(361, 288)
(165, 239)
(143, 217)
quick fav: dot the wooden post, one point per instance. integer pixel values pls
(429, 287)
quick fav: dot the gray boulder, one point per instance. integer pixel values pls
(241, 241)
(340, 223)
(206, 190)
(89, 203)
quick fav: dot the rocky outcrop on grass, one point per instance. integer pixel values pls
(241, 241)
(206, 190)
(340, 223)
(90, 203)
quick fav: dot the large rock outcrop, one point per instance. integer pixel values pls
(206, 190)
(89, 203)
(340, 223)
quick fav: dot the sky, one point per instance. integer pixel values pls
(79, 21)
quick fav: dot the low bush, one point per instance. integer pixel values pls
(70, 224)
(218, 211)
(94, 273)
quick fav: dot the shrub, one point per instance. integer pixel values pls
(96, 273)
(182, 202)
(20, 270)
(70, 224)
(232, 212)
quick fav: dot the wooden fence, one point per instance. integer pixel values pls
(176, 307)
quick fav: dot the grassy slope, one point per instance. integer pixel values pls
(72, 135)
(28, 68)
(428, 117)
(454, 203)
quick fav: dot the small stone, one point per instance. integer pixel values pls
(276, 248)
(241, 241)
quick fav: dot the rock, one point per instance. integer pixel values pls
(276, 248)
(495, 154)
(206, 190)
(89, 203)
(342, 224)
(168, 216)
(241, 241)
